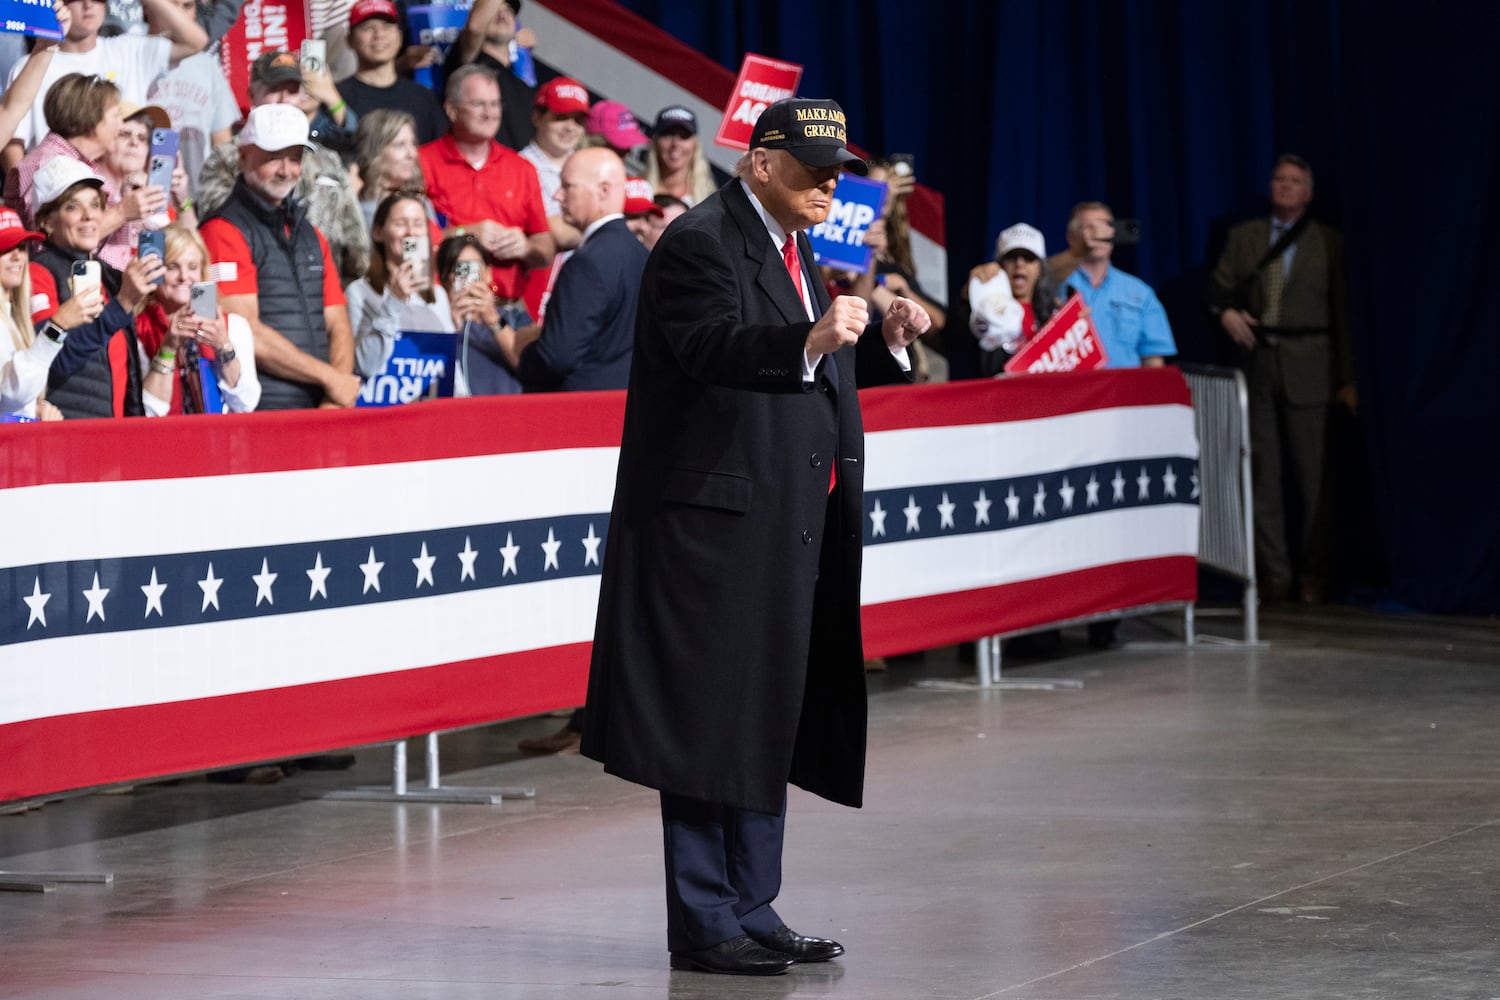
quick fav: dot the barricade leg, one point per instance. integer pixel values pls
(434, 791)
(47, 881)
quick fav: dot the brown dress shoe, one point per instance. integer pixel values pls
(564, 740)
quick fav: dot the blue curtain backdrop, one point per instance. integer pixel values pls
(1173, 112)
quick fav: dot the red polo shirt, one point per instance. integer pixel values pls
(505, 190)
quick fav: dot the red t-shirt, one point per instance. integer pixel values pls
(236, 270)
(505, 190)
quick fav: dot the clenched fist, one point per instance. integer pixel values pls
(842, 324)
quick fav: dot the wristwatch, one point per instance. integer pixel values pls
(226, 355)
(55, 332)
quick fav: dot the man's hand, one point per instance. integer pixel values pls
(1239, 325)
(984, 272)
(340, 388)
(500, 242)
(842, 324)
(904, 322)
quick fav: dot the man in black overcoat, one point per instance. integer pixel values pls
(727, 656)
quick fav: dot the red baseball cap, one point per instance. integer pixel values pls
(13, 233)
(638, 197)
(366, 9)
(562, 95)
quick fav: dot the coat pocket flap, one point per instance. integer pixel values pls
(723, 490)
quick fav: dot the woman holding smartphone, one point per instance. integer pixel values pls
(97, 373)
(463, 272)
(397, 292)
(25, 358)
(175, 332)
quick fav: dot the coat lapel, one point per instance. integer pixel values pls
(771, 273)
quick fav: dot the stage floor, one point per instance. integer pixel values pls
(1320, 819)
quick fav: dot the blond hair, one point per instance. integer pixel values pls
(18, 317)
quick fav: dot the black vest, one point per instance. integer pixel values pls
(289, 269)
(90, 391)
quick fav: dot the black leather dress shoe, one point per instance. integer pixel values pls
(739, 956)
(799, 948)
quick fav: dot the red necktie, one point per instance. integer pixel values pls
(793, 267)
(794, 270)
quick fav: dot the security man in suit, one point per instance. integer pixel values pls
(727, 657)
(1287, 313)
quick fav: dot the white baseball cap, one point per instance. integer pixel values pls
(274, 127)
(55, 177)
(1021, 237)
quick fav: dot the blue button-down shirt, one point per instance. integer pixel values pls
(1130, 319)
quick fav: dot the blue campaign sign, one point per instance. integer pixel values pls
(438, 25)
(839, 240)
(421, 367)
(30, 17)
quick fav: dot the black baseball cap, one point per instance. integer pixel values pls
(812, 131)
(675, 116)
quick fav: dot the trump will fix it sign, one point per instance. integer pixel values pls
(1068, 342)
(762, 82)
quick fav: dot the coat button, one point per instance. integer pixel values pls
(815, 461)
(807, 538)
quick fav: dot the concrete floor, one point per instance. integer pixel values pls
(1316, 820)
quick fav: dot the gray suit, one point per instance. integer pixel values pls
(1294, 371)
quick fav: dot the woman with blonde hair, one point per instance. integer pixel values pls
(25, 358)
(198, 365)
(385, 154)
(676, 164)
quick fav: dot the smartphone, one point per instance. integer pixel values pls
(163, 158)
(465, 273)
(1127, 231)
(902, 164)
(314, 55)
(85, 274)
(204, 299)
(418, 252)
(152, 243)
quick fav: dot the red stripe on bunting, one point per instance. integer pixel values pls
(90, 451)
(700, 76)
(925, 622)
(100, 748)
(1020, 397)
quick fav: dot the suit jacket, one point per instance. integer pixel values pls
(1314, 297)
(590, 326)
(727, 657)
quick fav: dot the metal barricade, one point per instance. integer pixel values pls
(1226, 522)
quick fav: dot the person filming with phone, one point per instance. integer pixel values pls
(85, 302)
(189, 338)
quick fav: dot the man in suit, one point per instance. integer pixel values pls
(590, 326)
(1287, 316)
(727, 658)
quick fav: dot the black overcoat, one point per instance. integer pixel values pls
(723, 668)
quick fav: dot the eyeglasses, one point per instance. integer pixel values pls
(480, 105)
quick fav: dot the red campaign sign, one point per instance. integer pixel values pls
(1067, 342)
(762, 82)
(263, 26)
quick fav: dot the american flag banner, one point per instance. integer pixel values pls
(188, 593)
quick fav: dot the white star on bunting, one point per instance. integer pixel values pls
(1092, 486)
(37, 602)
(1194, 494)
(423, 563)
(913, 514)
(591, 547)
(1039, 500)
(263, 581)
(1143, 481)
(877, 520)
(153, 592)
(466, 558)
(549, 552)
(1066, 492)
(96, 595)
(1169, 482)
(509, 553)
(1119, 484)
(371, 569)
(982, 508)
(318, 578)
(945, 512)
(1012, 504)
(210, 585)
